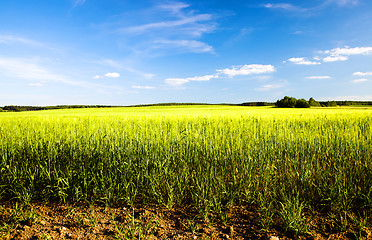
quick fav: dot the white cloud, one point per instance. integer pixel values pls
(302, 61)
(112, 75)
(345, 2)
(341, 54)
(32, 69)
(172, 25)
(362, 74)
(350, 51)
(27, 69)
(261, 78)
(14, 39)
(247, 70)
(122, 66)
(333, 55)
(181, 81)
(143, 87)
(174, 7)
(285, 6)
(203, 78)
(230, 72)
(272, 86)
(168, 24)
(179, 22)
(359, 80)
(109, 75)
(319, 77)
(79, 2)
(335, 58)
(187, 45)
(38, 84)
(311, 10)
(176, 81)
(316, 58)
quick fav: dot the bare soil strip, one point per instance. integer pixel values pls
(83, 221)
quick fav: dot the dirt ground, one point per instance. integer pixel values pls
(83, 221)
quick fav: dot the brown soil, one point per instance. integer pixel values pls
(63, 221)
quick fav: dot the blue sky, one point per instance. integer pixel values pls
(122, 52)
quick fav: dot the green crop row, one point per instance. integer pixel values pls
(279, 160)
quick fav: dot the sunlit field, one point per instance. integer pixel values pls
(287, 163)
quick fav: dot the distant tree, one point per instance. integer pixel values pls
(302, 103)
(252, 104)
(331, 104)
(286, 102)
(314, 103)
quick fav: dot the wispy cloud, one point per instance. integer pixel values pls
(8, 39)
(122, 65)
(335, 58)
(313, 9)
(37, 84)
(175, 19)
(333, 55)
(362, 74)
(349, 51)
(18, 40)
(27, 69)
(174, 7)
(285, 6)
(181, 81)
(272, 86)
(341, 54)
(302, 61)
(343, 3)
(176, 81)
(247, 70)
(242, 70)
(203, 78)
(143, 87)
(359, 80)
(32, 70)
(319, 77)
(172, 25)
(186, 45)
(79, 2)
(108, 75)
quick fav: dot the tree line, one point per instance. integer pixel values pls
(291, 102)
(286, 102)
(13, 108)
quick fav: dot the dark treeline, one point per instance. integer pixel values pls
(285, 102)
(257, 104)
(180, 104)
(36, 108)
(347, 103)
(13, 108)
(291, 102)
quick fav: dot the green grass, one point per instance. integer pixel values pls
(212, 157)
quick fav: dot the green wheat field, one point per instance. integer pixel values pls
(284, 161)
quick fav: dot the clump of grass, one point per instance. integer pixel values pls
(19, 215)
(291, 213)
(133, 227)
